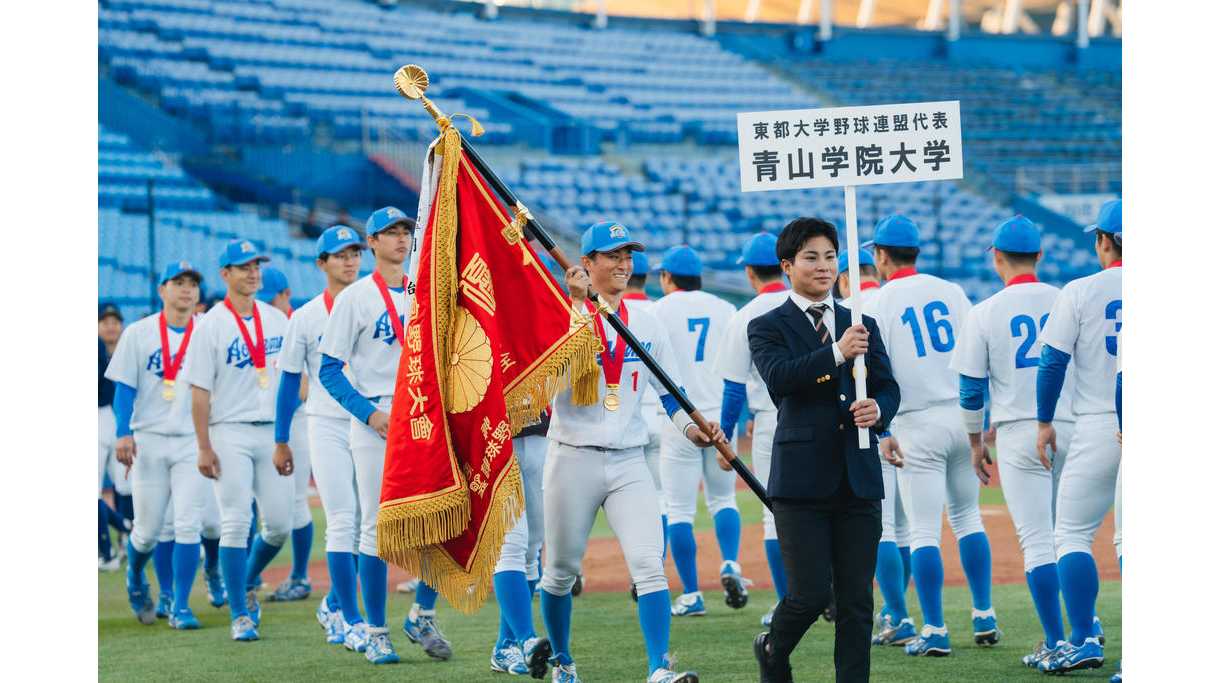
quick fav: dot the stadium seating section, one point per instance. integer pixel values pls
(658, 103)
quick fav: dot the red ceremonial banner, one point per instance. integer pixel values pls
(491, 338)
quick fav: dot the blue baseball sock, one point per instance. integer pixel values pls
(211, 553)
(975, 552)
(728, 533)
(233, 567)
(682, 540)
(342, 568)
(260, 556)
(889, 578)
(1043, 583)
(373, 572)
(1078, 580)
(557, 617)
(905, 551)
(332, 599)
(665, 538)
(136, 561)
(163, 567)
(929, 575)
(653, 610)
(302, 543)
(253, 527)
(186, 563)
(425, 596)
(775, 560)
(533, 587)
(104, 549)
(512, 592)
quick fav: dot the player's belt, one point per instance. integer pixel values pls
(601, 449)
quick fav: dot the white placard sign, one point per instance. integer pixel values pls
(840, 146)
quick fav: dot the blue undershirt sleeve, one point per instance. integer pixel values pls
(337, 385)
(124, 404)
(670, 404)
(1052, 368)
(730, 406)
(286, 403)
(970, 392)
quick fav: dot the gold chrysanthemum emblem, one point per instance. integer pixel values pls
(470, 363)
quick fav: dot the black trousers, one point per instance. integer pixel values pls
(818, 537)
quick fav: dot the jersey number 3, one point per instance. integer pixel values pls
(702, 324)
(1023, 326)
(940, 331)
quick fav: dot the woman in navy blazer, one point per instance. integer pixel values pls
(826, 490)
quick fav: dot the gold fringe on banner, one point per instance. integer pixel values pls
(403, 525)
(570, 364)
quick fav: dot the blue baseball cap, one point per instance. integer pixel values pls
(108, 308)
(1109, 218)
(1017, 234)
(175, 268)
(866, 259)
(336, 238)
(607, 236)
(384, 218)
(274, 282)
(639, 263)
(681, 260)
(896, 231)
(239, 253)
(759, 250)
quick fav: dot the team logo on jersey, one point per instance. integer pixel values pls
(629, 355)
(383, 330)
(154, 363)
(239, 356)
(618, 231)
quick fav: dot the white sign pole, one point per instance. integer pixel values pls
(858, 370)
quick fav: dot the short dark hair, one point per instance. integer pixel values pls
(903, 256)
(637, 281)
(1116, 241)
(687, 283)
(868, 270)
(1020, 258)
(767, 273)
(799, 231)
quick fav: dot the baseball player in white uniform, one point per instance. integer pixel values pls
(635, 298)
(365, 332)
(1083, 328)
(696, 322)
(154, 443)
(231, 367)
(920, 317)
(275, 291)
(328, 427)
(744, 388)
(999, 345)
(596, 460)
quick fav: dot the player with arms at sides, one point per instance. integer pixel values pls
(365, 332)
(999, 346)
(596, 460)
(743, 388)
(696, 322)
(327, 427)
(231, 369)
(1083, 329)
(155, 442)
(920, 317)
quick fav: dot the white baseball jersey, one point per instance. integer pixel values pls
(623, 428)
(866, 295)
(733, 360)
(219, 361)
(1000, 342)
(137, 363)
(301, 354)
(1085, 322)
(651, 403)
(696, 322)
(920, 317)
(360, 334)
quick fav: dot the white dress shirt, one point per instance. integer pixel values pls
(828, 317)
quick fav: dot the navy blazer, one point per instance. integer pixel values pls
(815, 439)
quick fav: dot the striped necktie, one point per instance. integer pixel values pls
(817, 311)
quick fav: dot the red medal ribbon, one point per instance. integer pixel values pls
(869, 285)
(171, 364)
(1021, 279)
(395, 322)
(258, 349)
(772, 287)
(328, 300)
(903, 272)
(635, 296)
(612, 363)
(1116, 264)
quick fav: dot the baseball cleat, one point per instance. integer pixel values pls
(932, 642)
(688, 605)
(1040, 653)
(407, 586)
(243, 629)
(666, 675)
(323, 614)
(291, 589)
(183, 620)
(564, 673)
(379, 649)
(509, 660)
(766, 618)
(138, 598)
(356, 638)
(537, 653)
(1068, 657)
(253, 608)
(216, 587)
(165, 605)
(896, 634)
(336, 630)
(736, 593)
(1098, 633)
(1118, 675)
(579, 586)
(985, 630)
(421, 629)
(112, 565)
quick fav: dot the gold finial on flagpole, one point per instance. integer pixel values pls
(411, 81)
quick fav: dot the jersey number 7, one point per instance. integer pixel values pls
(702, 324)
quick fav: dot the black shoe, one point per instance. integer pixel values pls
(829, 612)
(579, 586)
(768, 671)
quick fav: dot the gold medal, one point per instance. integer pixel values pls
(611, 401)
(263, 380)
(167, 391)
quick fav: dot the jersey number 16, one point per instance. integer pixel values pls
(940, 330)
